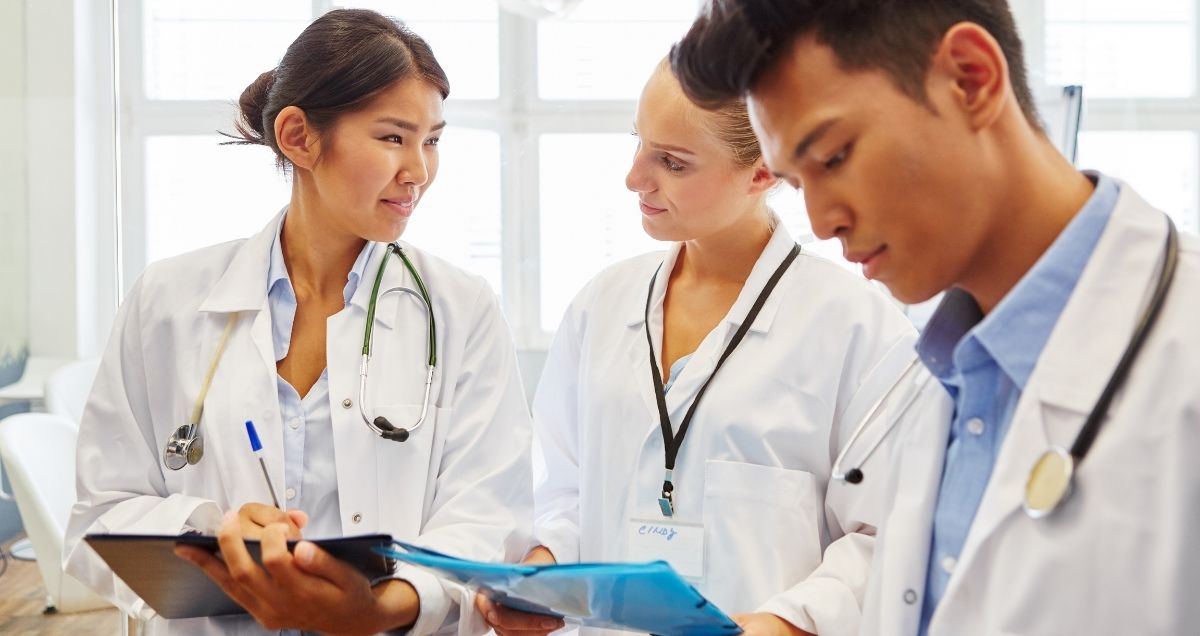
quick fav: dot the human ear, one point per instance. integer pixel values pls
(762, 179)
(974, 68)
(296, 137)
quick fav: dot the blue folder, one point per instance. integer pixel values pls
(647, 597)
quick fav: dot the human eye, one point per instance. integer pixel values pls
(671, 164)
(838, 158)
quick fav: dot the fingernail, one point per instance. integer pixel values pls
(304, 552)
(230, 517)
(548, 623)
(492, 618)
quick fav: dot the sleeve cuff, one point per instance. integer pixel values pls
(821, 606)
(434, 600)
(561, 538)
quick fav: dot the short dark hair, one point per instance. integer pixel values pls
(335, 66)
(733, 42)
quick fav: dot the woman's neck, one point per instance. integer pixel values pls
(318, 255)
(727, 256)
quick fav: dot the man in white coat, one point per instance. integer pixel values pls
(911, 130)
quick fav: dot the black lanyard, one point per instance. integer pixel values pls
(672, 443)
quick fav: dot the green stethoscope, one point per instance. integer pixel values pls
(186, 445)
(380, 424)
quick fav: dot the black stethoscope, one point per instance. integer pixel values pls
(1052, 477)
(186, 444)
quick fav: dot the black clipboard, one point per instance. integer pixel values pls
(175, 588)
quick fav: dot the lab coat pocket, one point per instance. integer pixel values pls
(406, 471)
(762, 529)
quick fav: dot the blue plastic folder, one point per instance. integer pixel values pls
(647, 597)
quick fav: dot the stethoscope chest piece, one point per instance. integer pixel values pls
(183, 448)
(1049, 483)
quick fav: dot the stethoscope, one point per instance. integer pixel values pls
(186, 444)
(1052, 477)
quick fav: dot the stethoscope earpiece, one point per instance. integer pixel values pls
(389, 431)
(854, 476)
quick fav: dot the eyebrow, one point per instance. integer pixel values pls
(670, 148)
(813, 137)
(406, 125)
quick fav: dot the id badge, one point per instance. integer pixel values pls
(680, 544)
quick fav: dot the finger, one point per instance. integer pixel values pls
(511, 620)
(263, 515)
(276, 559)
(242, 568)
(312, 560)
(298, 517)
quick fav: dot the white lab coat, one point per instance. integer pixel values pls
(1120, 556)
(755, 464)
(461, 483)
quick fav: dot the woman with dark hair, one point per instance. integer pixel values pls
(419, 431)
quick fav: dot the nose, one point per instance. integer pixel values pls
(638, 178)
(413, 170)
(829, 216)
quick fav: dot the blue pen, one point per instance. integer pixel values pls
(256, 446)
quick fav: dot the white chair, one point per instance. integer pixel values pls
(67, 388)
(38, 451)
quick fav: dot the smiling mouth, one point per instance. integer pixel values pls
(403, 206)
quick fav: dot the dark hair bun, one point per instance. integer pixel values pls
(251, 127)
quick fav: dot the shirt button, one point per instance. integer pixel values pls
(910, 596)
(294, 423)
(291, 493)
(346, 403)
(948, 563)
(975, 426)
(356, 518)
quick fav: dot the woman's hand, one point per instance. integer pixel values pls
(764, 624)
(253, 517)
(510, 622)
(306, 589)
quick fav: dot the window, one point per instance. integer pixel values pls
(534, 158)
(1137, 65)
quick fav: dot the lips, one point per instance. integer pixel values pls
(869, 259)
(401, 205)
(650, 210)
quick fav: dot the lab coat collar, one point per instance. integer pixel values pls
(1100, 316)
(1078, 359)
(776, 250)
(396, 275)
(243, 286)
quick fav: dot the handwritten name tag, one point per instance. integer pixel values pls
(680, 544)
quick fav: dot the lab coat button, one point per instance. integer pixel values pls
(356, 518)
(346, 403)
(975, 426)
(948, 563)
(910, 596)
(291, 493)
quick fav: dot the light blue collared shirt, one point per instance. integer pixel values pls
(310, 477)
(985, 363)
(676, 369)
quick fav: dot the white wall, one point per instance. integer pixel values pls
(14, 246)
